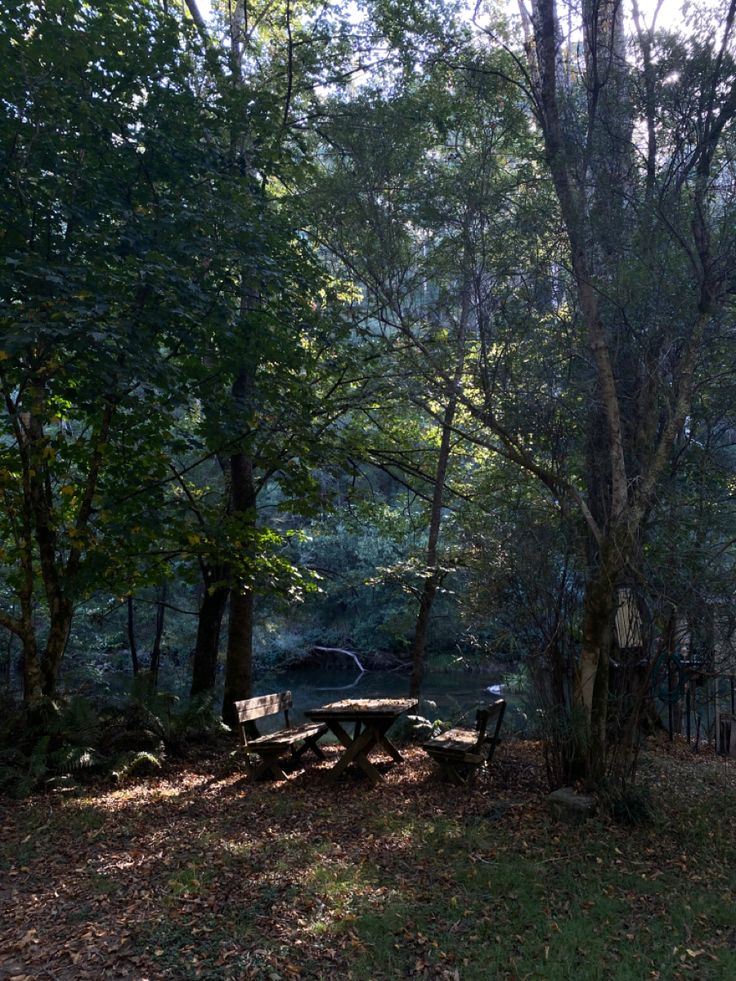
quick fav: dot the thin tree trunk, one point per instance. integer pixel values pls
(155, 665)
(432, 573)
(132, 646)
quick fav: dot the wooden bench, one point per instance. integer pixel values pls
(273, 745)
(460, 752)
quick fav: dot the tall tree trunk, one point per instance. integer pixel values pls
(239, 664)
(432, 573)
(239, 657)
(239, 660)
(591, 189)
(209, 625)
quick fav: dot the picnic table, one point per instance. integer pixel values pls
(371, 719)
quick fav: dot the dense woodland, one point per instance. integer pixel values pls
(405, 328)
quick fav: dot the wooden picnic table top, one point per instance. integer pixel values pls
(363, 709)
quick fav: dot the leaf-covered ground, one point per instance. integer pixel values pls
(200, 874)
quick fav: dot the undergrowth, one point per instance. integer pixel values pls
(69, 740)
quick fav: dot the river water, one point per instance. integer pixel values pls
(445, 695)
(451, 696)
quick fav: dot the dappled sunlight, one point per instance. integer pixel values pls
(199, 872)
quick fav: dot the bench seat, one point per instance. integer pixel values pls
(455, 743)
(287, 737)
(461, 752)
(272, 746)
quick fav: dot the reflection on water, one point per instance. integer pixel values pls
(453, 694)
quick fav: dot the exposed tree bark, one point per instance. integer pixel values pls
(209, 625)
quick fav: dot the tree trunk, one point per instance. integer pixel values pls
(591, 695)
(132, 646)
(156, 648)
(239, 664)
(432, 574)
(32, 677)
(209, 625)
(59, 630)
(239, 660)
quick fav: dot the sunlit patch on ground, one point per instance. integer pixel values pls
(198, 873)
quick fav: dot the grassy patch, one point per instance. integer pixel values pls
(490, 900)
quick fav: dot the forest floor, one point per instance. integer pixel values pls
(197, 873)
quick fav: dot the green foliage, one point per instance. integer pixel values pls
(69, 741)
(58, 740)
(134, 765)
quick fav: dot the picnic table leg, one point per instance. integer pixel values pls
(310, 743)
(357, 752)
(341, 733)
(389, 747)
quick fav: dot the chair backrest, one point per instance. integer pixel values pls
(496, 711)
(481, 724)
(250, 709)
(494, 714)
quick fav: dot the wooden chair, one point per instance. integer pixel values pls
(461, 752)
(272, 746)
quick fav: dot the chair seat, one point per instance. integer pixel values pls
(461, 752)
(454, 740)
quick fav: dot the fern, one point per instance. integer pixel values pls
(136, 765)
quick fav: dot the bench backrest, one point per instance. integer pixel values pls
(491, 715)
(250, 709)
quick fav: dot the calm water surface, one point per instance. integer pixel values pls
(453, 694)
(450, 696)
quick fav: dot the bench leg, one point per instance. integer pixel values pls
(459, 773)
(269, 765)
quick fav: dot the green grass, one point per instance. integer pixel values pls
(566, 904)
